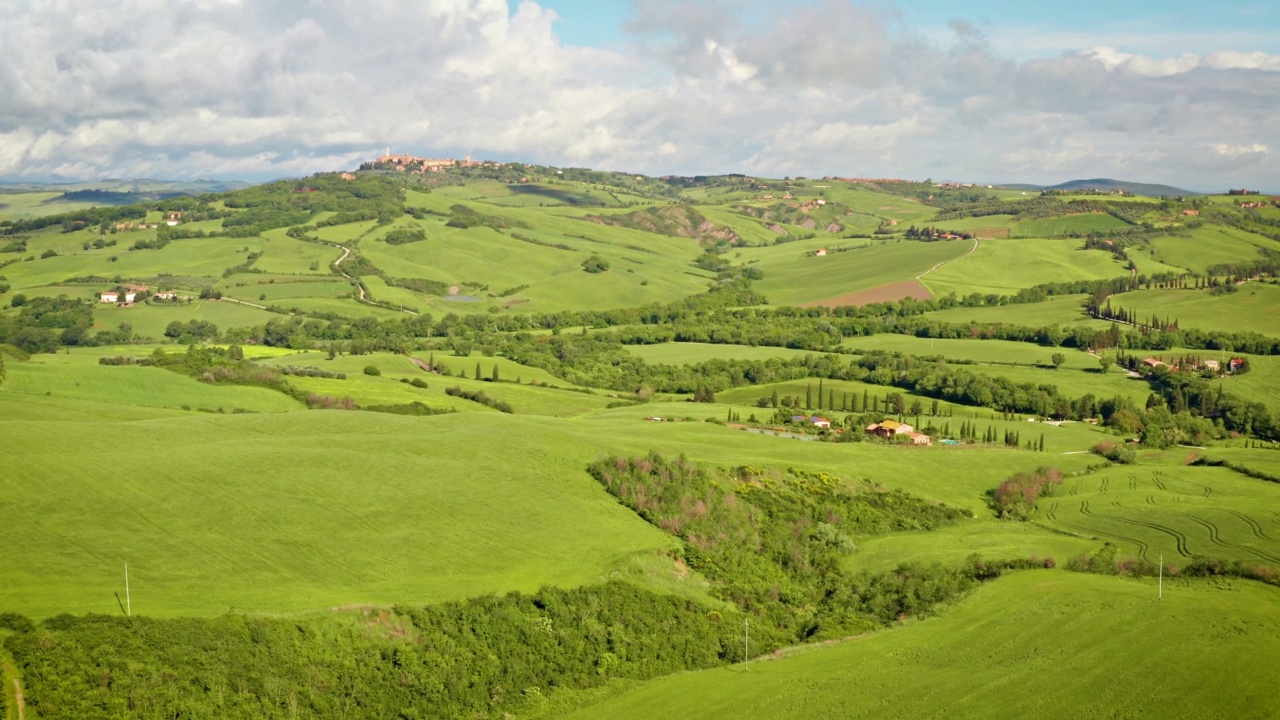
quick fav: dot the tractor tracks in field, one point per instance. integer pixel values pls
(1253, 525)
(1179, 538)
(1155, 478)
(1096, 533)
(1216, 539)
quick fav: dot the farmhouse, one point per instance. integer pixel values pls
(920, 439)
(889, 429)
(1235, 365)
(109, 296)
(820, 252)
(1191, 213)
(130, 296)
(166, 295)
(1154, 363)
(820, 422)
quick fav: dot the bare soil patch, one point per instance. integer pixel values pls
(880, 293)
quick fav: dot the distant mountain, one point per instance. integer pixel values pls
(142, 185)
(1108, 185)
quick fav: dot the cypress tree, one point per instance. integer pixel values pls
(808, 396)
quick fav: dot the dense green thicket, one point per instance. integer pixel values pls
(772, 542)
(476, 658)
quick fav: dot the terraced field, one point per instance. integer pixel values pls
(1180, 512)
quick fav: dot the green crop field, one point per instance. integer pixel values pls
(1250, 308)
(1064, 310)
(980, 351)
(690, 353)
(1036, 644)
(1004, 266)
(1068, 224)
(1073, 383)
(1200, 249)
(1180, 512)
(793, 276)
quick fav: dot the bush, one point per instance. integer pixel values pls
(595, 264)
(372, 370)
(1016, 497)
(1116, 453)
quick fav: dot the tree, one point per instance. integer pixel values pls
(1105, 362)
(1058, 359)
(493, 377)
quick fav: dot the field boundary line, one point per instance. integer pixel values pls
(944, 262)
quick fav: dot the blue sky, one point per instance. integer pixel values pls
(1150, 26)
(1175, 92)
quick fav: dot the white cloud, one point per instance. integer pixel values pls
(215, 87)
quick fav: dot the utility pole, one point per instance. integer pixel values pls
(128, 602)
(746, 645)
(1160, 591)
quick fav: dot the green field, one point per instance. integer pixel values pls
(1064, 310)
(1004, 352)
(1198, 250)
(1035, 644)
(1180, 512)
(690, 353)
(793, 276)
(1004, 266)
(1068, 224)
(1250, 308)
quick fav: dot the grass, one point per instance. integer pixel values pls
(1180, 512)
(1083, 223)
(1033, 644)
(792, 276)
(297, 512)
(1253, 307)
(1064, 310)
(1199, 249)
(987, 537)
(692, 353)
(79, 376)
(150, 321)
(1005, 266)
(1004, 352)
(1073, 383)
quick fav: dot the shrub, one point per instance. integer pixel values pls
(1116, 453)
(1016, 497)
(372, 370)
(595, 264)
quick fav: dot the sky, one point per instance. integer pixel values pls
(1174, 92)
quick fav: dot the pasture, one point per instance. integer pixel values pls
(1081, 224)
(1064, 310)
(1180, 512)
(1252, 307)
(1003, 267)
(793, 276)
(1001, 352)
(1031, 644)
(1200, 249)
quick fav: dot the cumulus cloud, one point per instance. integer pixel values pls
(225, 88)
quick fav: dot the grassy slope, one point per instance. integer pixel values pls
(1251, 307)
(1035, 644)
(791, 276)
(1004, 266)
(1064, 310)
(982, 351)
(1083, 223)
(692, 353)
(298, 512)
(1207, 246)
(1178, 511)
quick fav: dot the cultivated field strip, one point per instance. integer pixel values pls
(1184, 512)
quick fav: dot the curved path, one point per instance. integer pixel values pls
(944, 262)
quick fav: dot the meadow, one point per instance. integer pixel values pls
(1249, 308)
(1064, 310)
(1177, 512)
(1054, 648)
(1004, 266)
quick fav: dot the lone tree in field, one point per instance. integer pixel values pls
(1104, 362)
(1058, 359)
